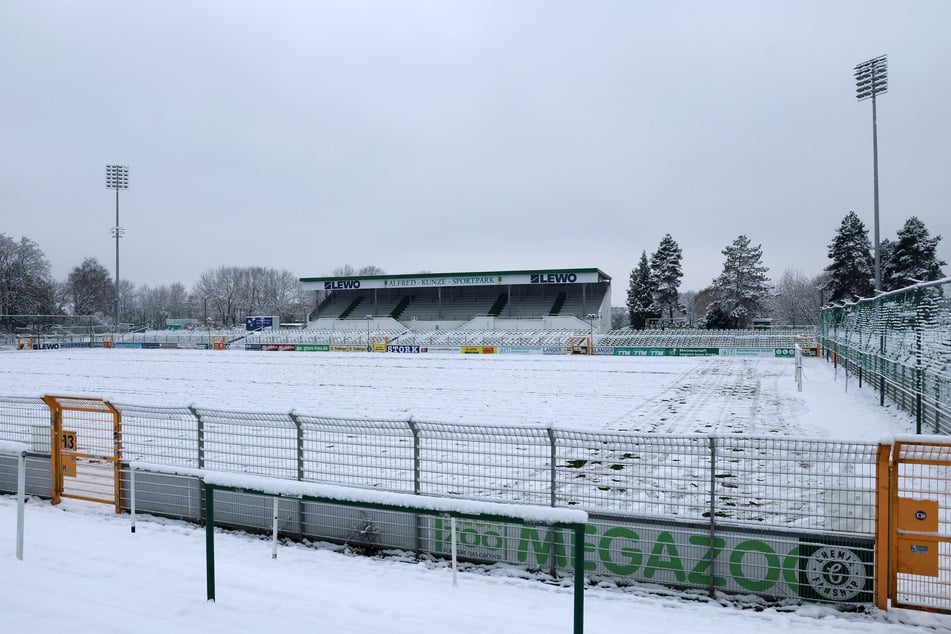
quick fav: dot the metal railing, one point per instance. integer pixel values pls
(900, 343)
(774, 482)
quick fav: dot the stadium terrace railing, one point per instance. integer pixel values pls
(900, 343)
(679, 338)
(778, 482)
(773, 501)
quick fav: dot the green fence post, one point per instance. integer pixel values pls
(881, 370)
(918, 379)
(210, 540)
(579, 579)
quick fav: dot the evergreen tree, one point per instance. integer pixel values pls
(742, 288)
(666, 273)
(851, 270)
(885, 249)
(912, 257)
(640, 294)
(716, 318)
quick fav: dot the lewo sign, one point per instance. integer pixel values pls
(773, 565)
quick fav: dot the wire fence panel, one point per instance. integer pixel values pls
(25, 420)
(810, 484)
(508, 464)
(162, 435)
(243, 442)
(369, 454)
(632, 474)
(901, 341)
(768, 482)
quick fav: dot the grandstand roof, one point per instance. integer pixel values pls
(467, 278)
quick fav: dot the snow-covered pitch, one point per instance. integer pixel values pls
(103, 578)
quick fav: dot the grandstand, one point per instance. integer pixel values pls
(544, 299)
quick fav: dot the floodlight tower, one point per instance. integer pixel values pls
(871, 80)
(117, 177)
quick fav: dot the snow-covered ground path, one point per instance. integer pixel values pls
(670, 395)
(84, 572)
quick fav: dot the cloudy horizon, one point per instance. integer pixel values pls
(465, 136)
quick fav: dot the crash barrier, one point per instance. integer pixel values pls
(900, 344)
(786, 519)
(296, 500)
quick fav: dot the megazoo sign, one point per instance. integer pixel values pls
(777, 565)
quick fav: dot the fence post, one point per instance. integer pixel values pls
(201, 436)
(579, 579)
(21, 501)
(881, 372)
(300, 446)
(132, 495)
(551, 471)
(937, 404)
(713, 508)
(210, 541)
(417, 467)
(918, 378)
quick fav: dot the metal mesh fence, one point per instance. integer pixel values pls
(901, 343)
(775, 482)
(369, 454)
(27, 420)
(510, 464)
(269, 441)
(163, 435)
(660, 506)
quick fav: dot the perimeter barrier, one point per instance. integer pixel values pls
(307, 500)
(900, 343)
(765, 516)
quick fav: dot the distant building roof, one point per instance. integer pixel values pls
(468, 278)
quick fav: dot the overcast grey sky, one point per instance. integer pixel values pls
(465, 136)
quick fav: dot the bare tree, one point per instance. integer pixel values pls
(26, 286)
(798, 298)
(229, 294)
(91, 290)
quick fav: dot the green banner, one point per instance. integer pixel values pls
(758, 562)
(666, 352)
(640, 352)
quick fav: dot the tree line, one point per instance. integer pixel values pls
(743, 291)
(222, 296)
(740, 293)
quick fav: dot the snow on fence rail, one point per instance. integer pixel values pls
(765, 482)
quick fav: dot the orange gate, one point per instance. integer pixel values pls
(86, 449)
(920, 540)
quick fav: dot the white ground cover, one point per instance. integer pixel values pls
(84, 571)
(755, 396)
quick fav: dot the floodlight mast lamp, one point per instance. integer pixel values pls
(117, 177)
(871, 80)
